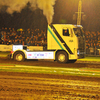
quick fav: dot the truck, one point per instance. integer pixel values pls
(65, 43)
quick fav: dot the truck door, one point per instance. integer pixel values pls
(67, 35)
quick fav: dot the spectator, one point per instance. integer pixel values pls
(23, 43)
(16, 42)
(28, 43)
(20, 42)
(31, 43)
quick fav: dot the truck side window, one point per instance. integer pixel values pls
(65, 32)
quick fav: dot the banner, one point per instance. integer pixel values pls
(5, 47)
(15, 47)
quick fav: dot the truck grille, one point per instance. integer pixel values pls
(81, 47)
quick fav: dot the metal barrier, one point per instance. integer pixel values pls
(92, 51)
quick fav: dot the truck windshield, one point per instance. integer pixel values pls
(78, 32)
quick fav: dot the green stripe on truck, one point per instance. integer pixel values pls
(55, 39)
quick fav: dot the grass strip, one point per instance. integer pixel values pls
(90, 59)
(52, 70)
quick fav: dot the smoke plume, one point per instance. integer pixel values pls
(18, 5)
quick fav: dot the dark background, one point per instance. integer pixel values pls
(63, 13)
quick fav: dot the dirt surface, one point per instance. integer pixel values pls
(30, 86)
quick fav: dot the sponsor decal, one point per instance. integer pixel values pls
(70, 40)
(29, 54)
(40, 55)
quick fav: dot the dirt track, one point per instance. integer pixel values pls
(28, 86)
(78, 64)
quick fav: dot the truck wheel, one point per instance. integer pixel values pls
(62, 57)
(19, 56)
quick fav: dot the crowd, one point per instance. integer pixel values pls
(36, 37)
(92, 42)
(29, 37)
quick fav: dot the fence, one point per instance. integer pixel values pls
(92, 52)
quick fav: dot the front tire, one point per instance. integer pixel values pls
(62, 57)
(19, 56)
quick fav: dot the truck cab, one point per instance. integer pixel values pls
(68, 39)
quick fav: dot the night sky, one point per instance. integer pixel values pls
(66, 8)
(63, 13)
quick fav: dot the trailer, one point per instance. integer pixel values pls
(65, 42)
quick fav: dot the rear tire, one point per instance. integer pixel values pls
(19, 56)
(62, 57)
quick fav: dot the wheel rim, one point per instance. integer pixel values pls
(61, 58)
(19, 57)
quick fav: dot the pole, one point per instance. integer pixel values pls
(79, 12)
